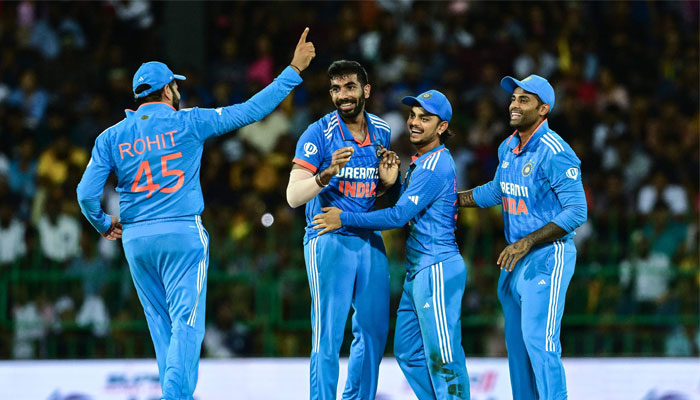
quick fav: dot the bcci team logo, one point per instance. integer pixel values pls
(527, 169)
(426, 95)
(572, 173)
(378, 152)
(310, 149)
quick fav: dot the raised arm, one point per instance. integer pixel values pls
(217, 121)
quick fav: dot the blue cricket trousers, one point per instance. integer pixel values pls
(532, 297)
(428, 337)
(347, 271)
(168, 260)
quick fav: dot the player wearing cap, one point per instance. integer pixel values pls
(428, 337)
(342, 160)
(155, 153)
(538, 182)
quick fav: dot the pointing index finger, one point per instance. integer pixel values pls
(302, 39)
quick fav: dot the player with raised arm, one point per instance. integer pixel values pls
(538, 182)
(343, 160)
(155, 153)
(428, 337)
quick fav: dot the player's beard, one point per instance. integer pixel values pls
(176, 102)
(526, 120)
(353, 112)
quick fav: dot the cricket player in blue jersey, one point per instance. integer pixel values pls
(155, 153)
(538, 182)
(428, 337)
(343, 160)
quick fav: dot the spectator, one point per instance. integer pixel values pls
(59, 233)
(646, 275)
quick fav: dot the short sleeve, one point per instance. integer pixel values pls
(310, 150)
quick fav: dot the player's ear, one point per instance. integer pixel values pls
(543, 110)
(367, 89)
(442, 127)
(167, 93)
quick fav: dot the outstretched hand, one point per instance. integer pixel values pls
(304, 52)
(115, 229)
(328, 221)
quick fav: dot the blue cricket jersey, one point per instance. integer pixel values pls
(537, 185)
(428, 203)
(156, 151)
(354, 188)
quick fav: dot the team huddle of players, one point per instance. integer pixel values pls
(343, 162)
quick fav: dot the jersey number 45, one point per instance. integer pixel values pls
(150, 187)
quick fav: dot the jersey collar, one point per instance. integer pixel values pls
(346, 135)
(154, 105)
(415, 159)
(514, 139)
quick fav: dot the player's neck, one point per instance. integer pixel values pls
(526, 133)
(357, 126)
(422, 149)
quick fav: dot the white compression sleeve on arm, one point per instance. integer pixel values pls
(302, 187)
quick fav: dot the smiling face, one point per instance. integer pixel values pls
(424, 129)
(349, 95)
(526, 109)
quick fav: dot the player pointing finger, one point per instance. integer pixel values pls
(304, 53)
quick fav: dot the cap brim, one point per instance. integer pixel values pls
(179, 77)
(509, 84)
(411, 101)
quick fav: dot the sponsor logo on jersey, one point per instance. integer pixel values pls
(218, 111)
(414, 199)
(358, 173)
(505, 164)
(427, 305)
(527, 169)
(310, 149)
(513, 189)
(542, 282)
(572, 173)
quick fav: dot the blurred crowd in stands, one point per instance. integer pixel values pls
(626, 79)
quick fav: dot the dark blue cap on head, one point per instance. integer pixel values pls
(534, 84)
(153, 73)
(433, 102)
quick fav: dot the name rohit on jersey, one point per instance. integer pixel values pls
(511, 205)
(140, 145)
(358, 189)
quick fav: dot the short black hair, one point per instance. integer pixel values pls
(151, 97)
(342, 68)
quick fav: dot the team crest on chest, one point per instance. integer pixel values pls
(379, 149)
(527, 169)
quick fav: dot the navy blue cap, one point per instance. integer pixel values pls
(533, 84)
(153, 73)
(434, 102)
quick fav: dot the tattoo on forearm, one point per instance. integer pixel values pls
(466, 198)
(547, 233)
